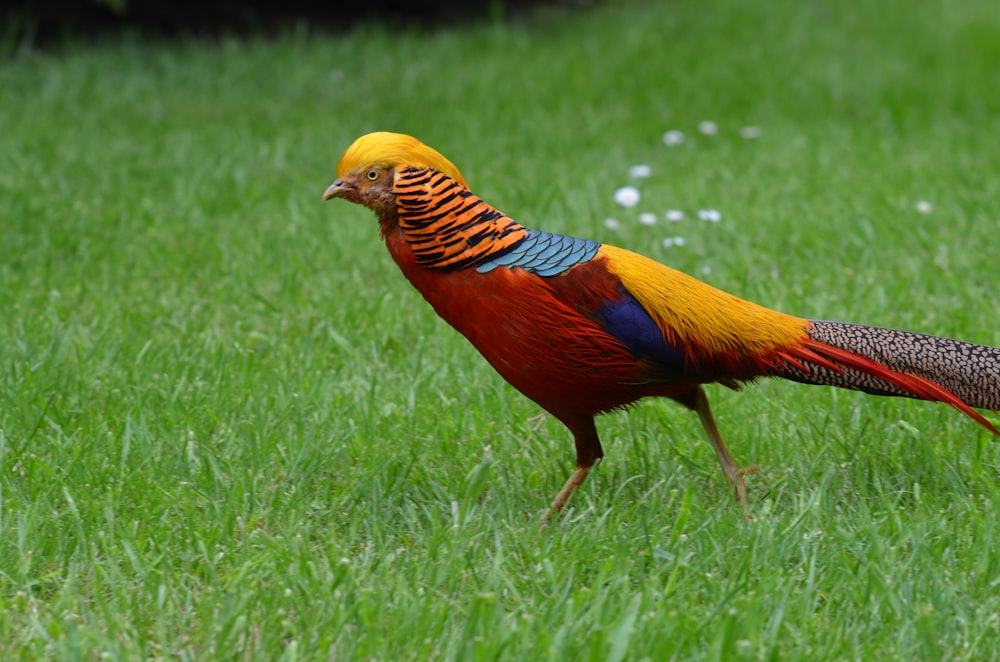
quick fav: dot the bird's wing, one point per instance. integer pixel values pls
(676, 327)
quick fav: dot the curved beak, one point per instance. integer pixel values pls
(336, 189)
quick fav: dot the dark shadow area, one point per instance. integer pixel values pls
(40, 24)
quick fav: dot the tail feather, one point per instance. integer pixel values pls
(900, 363)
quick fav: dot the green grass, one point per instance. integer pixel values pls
(229, 427)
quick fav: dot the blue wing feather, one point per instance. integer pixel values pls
(549, 252)
(629, 322)
(543, 253)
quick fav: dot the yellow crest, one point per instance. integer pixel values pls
(392, 150)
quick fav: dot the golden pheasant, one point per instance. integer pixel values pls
(583, 328)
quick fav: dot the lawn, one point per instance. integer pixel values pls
(230, 429)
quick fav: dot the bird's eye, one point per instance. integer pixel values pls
(372, 175)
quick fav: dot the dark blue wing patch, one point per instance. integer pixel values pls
(544, 253)
(629, 322)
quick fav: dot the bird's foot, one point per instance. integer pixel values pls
(739, 487)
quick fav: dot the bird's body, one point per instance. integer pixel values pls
(583, 328)
(569, 333)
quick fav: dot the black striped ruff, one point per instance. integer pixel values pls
(447, 226)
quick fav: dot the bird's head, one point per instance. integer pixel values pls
(366, 170)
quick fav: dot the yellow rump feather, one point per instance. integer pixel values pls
(692, 313)
(383, 149)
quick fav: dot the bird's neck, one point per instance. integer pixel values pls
(445, 226)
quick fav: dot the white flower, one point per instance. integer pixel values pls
(706, 270)
(710, 215)
(708, 127)
(751, 132)
(668, 242)
(673, 137)
(647, 219)
(678, 241)
(674, 215)
(627, 196)
(640, 171)
(612, 223)
(924, 207)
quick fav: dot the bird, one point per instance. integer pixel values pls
(585, 328)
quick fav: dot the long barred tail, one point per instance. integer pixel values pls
(891, 362)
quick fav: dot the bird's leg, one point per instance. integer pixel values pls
(575, 480)
(588, 452)
(698, 401)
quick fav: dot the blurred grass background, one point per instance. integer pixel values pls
(229, 428)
